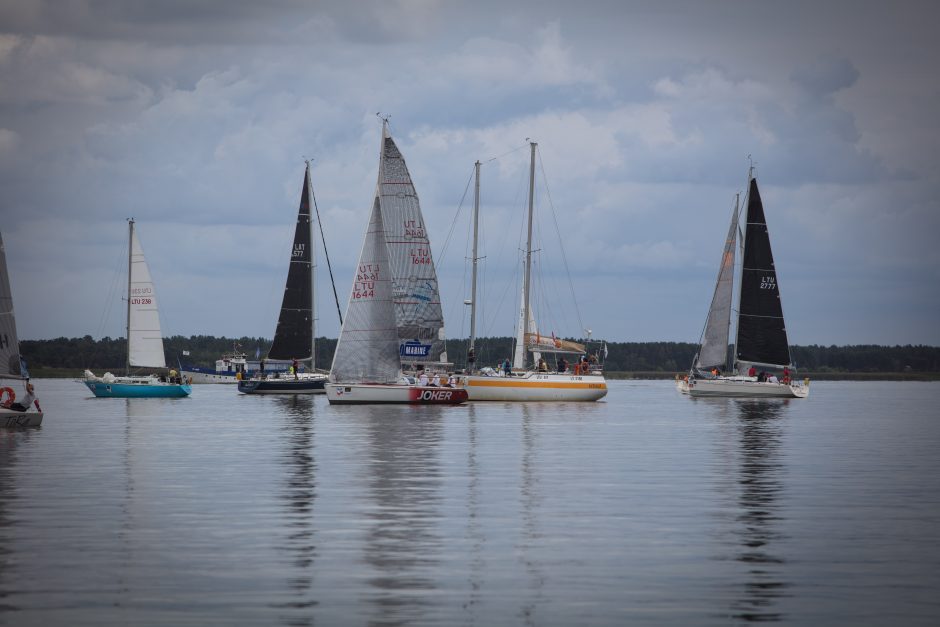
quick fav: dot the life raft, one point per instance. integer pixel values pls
(11, 396)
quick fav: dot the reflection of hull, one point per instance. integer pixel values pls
(138, 388)
(305, 384)
(376, 393)
(534, 386)
(13, 418)
(741, 387)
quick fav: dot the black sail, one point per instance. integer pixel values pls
(762, 335)
(293, 338)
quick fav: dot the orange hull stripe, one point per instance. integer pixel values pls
(497, 383)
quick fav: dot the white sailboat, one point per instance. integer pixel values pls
(394, 311)
(13, 376)
(524, 383)
(761, 336)
(295, 335)
(144, 339)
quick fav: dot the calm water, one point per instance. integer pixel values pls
(648, 508)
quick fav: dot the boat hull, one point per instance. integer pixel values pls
(303, 385)
(377, 393)
(11, 418)
(209, 377)
(742, 388)
(104, 389)
(533, 386)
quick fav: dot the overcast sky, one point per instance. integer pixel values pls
(195, 117)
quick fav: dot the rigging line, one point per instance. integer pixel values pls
(326, 254)
(561, 247)
(505, 154)
(453, 223)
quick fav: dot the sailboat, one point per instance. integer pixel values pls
(26, 412)
(294, 337)
(761, 335)
(144, 339)
(394, 310)
(523, 383)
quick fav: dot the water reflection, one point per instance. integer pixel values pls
(474, 532)
(760, 470)
(10, 440)
(299, 495)
(530, 500)
(404, 484)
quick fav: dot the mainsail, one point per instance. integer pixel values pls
(293, 338)
(418, 314)
(762, 335)
(714, 351)
(367, 350)
(9, 344)
(144, 339)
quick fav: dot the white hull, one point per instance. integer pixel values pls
(376, 393)
(742, 387)
(13, 418)
(534, 386)
(202, 377)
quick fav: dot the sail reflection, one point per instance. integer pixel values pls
(404, 483)
(299, 495)
(760, 471)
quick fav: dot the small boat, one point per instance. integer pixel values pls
(295, 335)
(13, 375)
(389, 303)
(761, 335)
(229, 368)
(525, 381)
(144, 339)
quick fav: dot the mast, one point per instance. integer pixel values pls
(473, 279)
(313, 278)
(729, 361)
(737, 327)
(528, 254)
(130, 253)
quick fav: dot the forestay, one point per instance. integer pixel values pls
(144, 339)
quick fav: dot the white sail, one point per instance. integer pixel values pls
(144, 340)
(367, 349)
(518, 357)
(418, 312)
(9, 344)
(714, 350)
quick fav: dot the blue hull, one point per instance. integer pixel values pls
(138, 390)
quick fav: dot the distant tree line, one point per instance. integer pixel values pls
(109, 354)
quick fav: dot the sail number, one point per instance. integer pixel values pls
(141, 301)
(364, 285)
(420, 256)
(768, 282)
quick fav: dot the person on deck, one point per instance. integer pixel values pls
(471, 359)
(293, 367)
(786, 375)
(507, 368)
(423, 378)
(562, 365)
(752, 371)
(436, 380)
(543, 366)
(28, 400)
